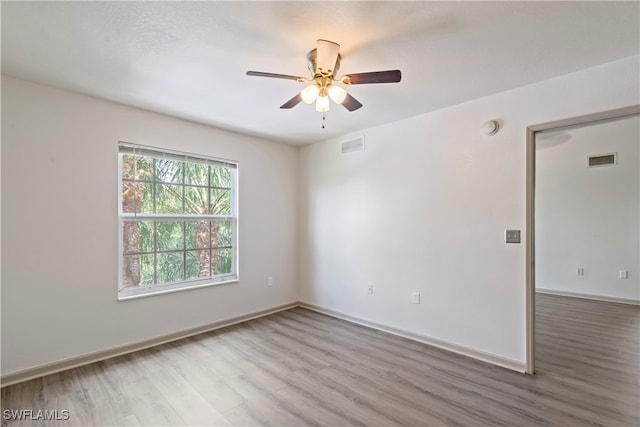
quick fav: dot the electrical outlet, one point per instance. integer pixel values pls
(269, 281)
(623, 274)
(415, 297)
(370, 289)
(579, 271)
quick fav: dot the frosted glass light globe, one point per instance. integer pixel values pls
(310, 93)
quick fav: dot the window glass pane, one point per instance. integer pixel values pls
(193, 265)
(221, 261)
(144, 192)
(169, 235)
(168, 199)
(195, 200)
(221, 234)
(147, 269)
(197, 234)
(137, 236)
(137, 167)
(220, 202)
(169, 267)
(220, 177)
(130, 270)
(137, 270)
(190, 234)
(169, 171)
(198, 264)
(196, 174)
(132, 196)
(147, 243)
(130, 237)
(128, 166)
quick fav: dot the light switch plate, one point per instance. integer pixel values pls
(512, 236)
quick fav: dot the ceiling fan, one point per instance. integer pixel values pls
(323, 63)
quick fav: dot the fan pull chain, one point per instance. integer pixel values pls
(323, 120)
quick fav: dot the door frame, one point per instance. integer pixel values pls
(530, 249)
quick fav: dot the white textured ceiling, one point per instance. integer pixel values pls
(188, 59)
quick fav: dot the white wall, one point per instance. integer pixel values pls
(588, 217)
(59, 226)
(425, 207)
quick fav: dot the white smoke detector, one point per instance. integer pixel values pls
(490, 128)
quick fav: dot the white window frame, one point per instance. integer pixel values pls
(125, 293)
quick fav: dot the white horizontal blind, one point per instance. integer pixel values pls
(141, 150)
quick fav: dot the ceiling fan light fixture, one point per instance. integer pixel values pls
(324, 85)
(322, 104)
(337, 94)
(310, 93)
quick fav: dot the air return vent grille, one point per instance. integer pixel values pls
(352, 145)
(603, 160)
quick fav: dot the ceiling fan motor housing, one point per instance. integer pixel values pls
(312, 64)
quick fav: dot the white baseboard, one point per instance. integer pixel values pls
(515, 365)
(85, 359)
(588, 296)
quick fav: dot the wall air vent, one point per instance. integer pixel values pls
(603, 160)
(352, 145)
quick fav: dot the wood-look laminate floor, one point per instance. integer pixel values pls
(299, 368)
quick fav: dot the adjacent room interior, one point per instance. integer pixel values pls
(319, 213)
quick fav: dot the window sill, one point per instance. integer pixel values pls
(136, 292)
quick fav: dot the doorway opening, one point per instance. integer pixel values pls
(532, 132)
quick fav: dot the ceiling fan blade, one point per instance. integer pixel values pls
(327, 55)
(274, 75)
(350, 103)
(292, 102)
(390, 76)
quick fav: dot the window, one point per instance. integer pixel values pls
(178, 221)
